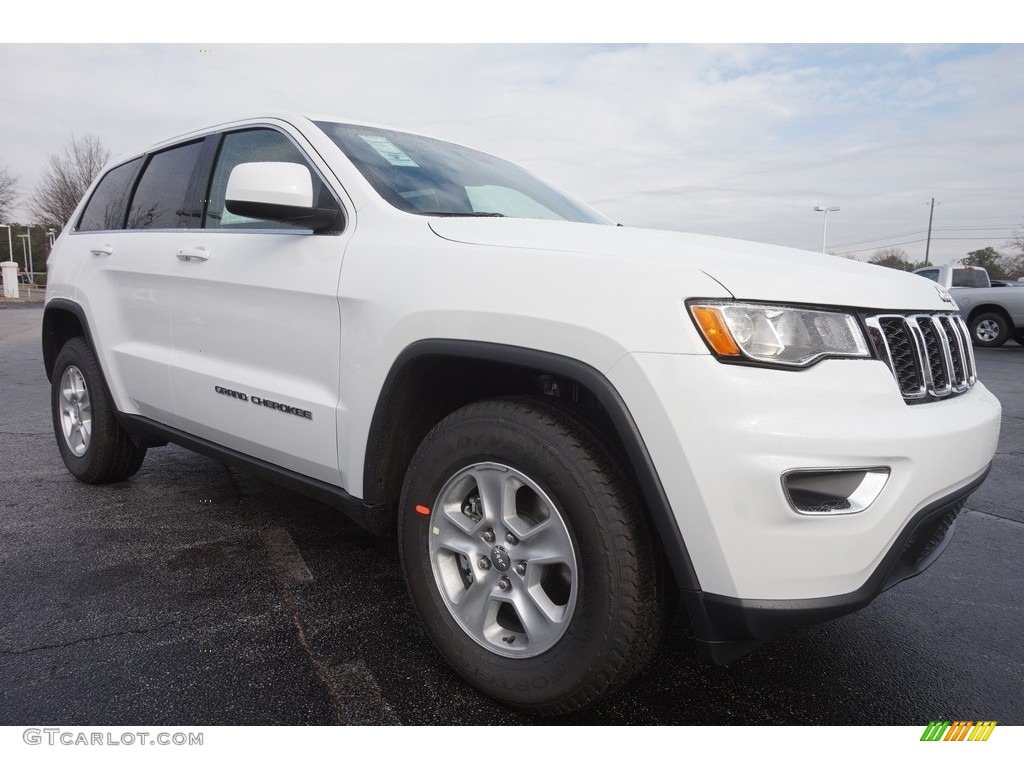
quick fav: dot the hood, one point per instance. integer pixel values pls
(753, 271)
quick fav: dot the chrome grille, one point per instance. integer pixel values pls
(930, 354)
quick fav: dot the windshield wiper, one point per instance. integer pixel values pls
(460, 213)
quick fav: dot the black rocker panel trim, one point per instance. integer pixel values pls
(369, 517)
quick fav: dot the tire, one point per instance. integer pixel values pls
(503, 482)
(989, 329)
(1019, 338)
(94, 446)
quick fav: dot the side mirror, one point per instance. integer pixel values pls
(280, 192)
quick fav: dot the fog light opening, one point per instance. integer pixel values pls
(844, 491)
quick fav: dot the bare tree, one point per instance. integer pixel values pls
(895, 258)
(1013, 263)
(8, 194)
(65, 181)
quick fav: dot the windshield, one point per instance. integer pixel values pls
(431, 177)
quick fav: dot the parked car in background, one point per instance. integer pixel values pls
(993, 312)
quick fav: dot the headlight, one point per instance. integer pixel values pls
(778, 335)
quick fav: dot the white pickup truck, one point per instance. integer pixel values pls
(568, 426)
(993, 314)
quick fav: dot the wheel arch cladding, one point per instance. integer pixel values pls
(62, 320)
(984, 309)
(413, 399)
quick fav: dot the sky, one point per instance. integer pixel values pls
(738, 140)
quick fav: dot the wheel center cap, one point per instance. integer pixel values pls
(500, 558)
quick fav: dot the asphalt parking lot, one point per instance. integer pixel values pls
(195, 594)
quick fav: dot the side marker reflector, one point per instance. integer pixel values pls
(422, 509)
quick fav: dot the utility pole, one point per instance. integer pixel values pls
(928, 244)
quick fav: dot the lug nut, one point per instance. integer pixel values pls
(504, 583)
(489, 536)
(521, 569)
(485, 563)
(511, 539)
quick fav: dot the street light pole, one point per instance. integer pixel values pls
(27, 255)
(824, 222)
(31, 262)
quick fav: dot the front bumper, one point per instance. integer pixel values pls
(726, 628)
(721, 438)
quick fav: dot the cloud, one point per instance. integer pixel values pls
(730, 140)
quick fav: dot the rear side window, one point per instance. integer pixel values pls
(260, 145)
(931, 274)
(159, 201)
(105, 209)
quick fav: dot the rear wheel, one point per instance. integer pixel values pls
(989, 329)
(92, 443)
(526, 558)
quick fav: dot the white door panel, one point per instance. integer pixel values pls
(257, 322)
(126, 299)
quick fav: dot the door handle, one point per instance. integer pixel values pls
(103, 250)
(194, 254)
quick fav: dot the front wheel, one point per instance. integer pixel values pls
(989, 329)
(525, 556)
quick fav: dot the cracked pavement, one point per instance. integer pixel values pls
(194, 594)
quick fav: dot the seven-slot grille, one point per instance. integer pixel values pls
(929, 354)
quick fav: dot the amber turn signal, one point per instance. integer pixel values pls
(712, 325)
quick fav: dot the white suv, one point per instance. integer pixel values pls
(570, 425)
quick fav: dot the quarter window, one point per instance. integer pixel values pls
(105, 209)
(159, 200)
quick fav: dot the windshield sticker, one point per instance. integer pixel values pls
(389, 151)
